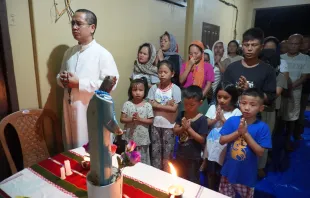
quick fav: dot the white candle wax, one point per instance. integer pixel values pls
(68, 168)
(86, 158)
(62, 173)
(176, 190)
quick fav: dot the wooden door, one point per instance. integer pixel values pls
(210, 34)
(8, 93)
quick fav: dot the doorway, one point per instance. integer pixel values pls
(8, 93)
(282, 22)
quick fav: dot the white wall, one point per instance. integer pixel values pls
(217, 13)
(22, 50)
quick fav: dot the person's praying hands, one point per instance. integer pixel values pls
(243, 83)
(243, 128)
(69, 79)
(160, 55)
(217, 60)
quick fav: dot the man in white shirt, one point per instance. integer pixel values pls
(299, 69)
(83, 69)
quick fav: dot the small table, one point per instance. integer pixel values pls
(141, 180)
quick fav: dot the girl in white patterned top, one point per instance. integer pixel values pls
(137, 115)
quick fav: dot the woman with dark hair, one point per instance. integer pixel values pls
(143, 66)
(169, 51)
(271, 42)
(232, 54)
(197, 72)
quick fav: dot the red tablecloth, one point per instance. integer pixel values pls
(75, 184)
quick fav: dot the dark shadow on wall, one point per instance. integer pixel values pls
(53, 135)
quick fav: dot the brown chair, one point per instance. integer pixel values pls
(29, 127)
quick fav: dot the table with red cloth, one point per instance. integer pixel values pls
(43, 180)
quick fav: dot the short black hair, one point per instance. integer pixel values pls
(90, 17)
(299, 36)
(134, 82)
(192, 91)
(148, 47)
(168, 63)
(271, 39)
(253, 33)
(254, 92)
(230, 89)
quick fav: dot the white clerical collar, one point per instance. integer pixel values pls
(84, 47)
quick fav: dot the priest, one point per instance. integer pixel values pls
(83, 69)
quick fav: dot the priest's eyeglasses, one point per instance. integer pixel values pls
(77, 24)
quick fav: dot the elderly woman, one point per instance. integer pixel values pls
(169, 51)
(197, 72)
(143, 66)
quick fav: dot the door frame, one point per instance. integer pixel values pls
(8, 59)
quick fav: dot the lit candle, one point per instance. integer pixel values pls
(175, 190)
(68, 168)
(62, 173)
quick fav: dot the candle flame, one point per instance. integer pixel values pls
(172, 169)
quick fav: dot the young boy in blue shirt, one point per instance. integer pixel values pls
(246, 138)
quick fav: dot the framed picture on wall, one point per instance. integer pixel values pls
(182, 3)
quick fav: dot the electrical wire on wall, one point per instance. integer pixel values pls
(234, 6)
(67, 9)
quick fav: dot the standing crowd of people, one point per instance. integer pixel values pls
(215, 112)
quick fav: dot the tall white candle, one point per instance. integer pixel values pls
(68, 168)
(62, 173)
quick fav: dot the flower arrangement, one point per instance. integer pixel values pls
(128, 158)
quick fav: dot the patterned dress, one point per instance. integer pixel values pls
(162, 130)
(139, 133)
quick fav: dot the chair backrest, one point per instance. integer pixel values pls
(29, 127)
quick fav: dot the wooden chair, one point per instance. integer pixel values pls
(29, 127)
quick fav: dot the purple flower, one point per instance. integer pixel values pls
(131, 146)
(86, 146)
(134, 157)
